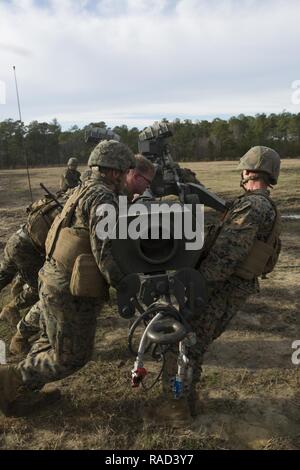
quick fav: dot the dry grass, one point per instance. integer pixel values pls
(249, 395)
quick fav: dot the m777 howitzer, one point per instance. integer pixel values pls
(169, 177)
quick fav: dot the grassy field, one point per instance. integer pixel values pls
(250, 390)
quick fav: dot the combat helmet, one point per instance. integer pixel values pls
(112, 154)
(262, 159)
(72, 162)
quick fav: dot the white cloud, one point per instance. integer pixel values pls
(139, 59)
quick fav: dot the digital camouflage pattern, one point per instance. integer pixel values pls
(71, 321)
(24, 253)
(29, 325)
(250, 217)
(69, 179)
(112, 154)
(21, 256)
(16, 285)
(68, 326)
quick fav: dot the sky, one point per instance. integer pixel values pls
(136, 61)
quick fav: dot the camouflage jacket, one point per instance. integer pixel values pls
(250, 217)
(88, 213)
(69, 179)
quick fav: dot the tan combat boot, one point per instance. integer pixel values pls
(19, 345)
(11, 314)
(16, 399)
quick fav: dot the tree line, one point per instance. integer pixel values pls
(46, 144)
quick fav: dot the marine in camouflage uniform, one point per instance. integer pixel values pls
(69, 321)
(137, 180)
(41, 214)
(71, 176)
(20, 256)
(24, 255)
(228, 267)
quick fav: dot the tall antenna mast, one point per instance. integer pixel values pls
(23, 150)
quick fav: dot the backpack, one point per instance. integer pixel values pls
(41, 215)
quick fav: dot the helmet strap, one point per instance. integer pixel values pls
(259, 176)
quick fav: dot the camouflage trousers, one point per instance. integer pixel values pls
(224, 302)
(20, 256)
(66, 339)
(29, 326)
(17, 285)
(26, 298)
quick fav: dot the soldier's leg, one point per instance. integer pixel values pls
(17, 285)
(10, 313)
(169, 371)
(67, 340)
(28, 261)
(27, 298)
(29, 325)
(20, 256)
(8, 268)
(28, 331)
